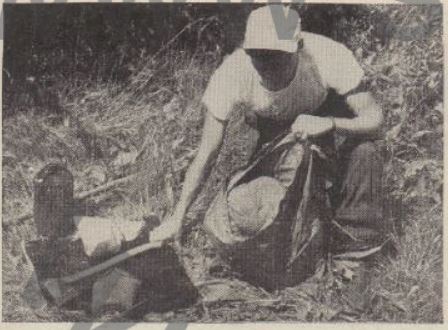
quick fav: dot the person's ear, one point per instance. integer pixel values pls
(300, 43)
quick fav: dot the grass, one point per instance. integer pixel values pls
(151, 126)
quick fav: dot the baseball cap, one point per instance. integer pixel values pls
(275, 27)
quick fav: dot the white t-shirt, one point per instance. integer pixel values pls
(323, 64)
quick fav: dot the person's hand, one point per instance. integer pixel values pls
(306, 126)
(169, 228)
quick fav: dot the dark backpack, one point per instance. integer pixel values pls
(290, 241)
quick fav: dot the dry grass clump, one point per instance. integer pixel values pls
(409, 287)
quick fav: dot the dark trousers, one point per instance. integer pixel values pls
(357, 197)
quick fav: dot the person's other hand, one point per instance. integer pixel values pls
(169, 228)
(306, 126)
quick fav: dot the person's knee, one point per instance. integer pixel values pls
(367, 151)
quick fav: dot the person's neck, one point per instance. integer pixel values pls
(275, 81)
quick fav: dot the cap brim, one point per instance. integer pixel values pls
(282, 45)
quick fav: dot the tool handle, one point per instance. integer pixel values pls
(110, 262)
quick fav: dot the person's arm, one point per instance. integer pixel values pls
(342, 74)
(368, 116)
(224, 90)
(212, 136)
(210, 144)
(367, 120)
